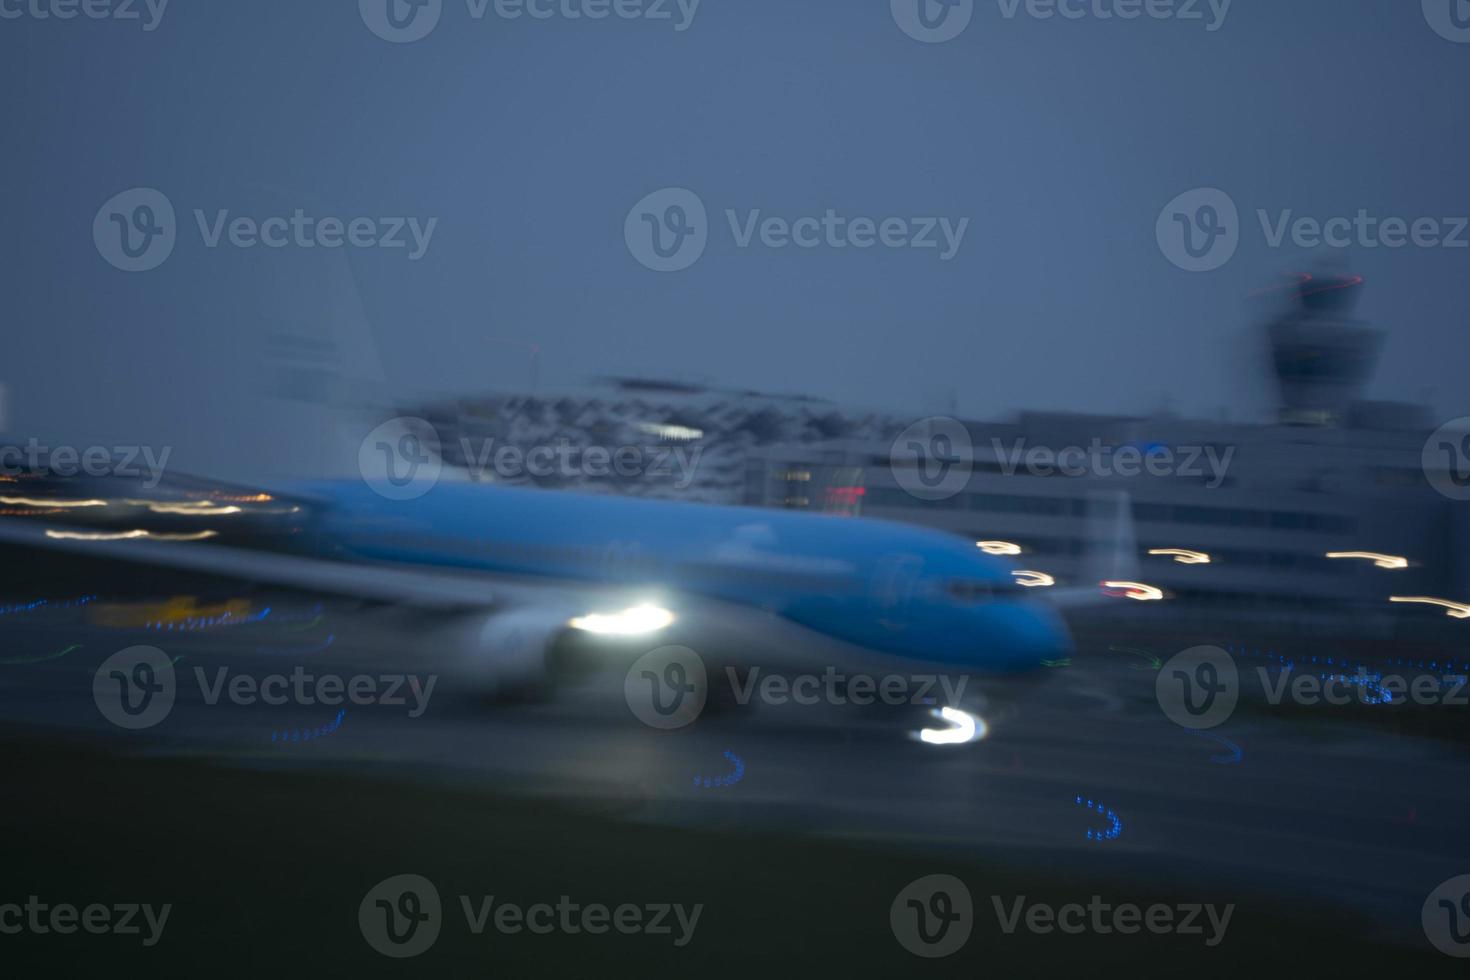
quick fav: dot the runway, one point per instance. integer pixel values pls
(1338, 816)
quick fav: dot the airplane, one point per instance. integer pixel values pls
(503, 574)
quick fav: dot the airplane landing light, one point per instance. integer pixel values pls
(963, 727)
(633, 621)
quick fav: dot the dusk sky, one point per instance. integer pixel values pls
(529, 141)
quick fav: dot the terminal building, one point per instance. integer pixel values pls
(1241, 512)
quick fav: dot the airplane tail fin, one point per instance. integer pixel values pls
(1112, 544)
(1111, 550)
(319, 379)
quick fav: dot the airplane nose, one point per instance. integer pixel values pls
(1037, 635)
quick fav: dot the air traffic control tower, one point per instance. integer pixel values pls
(1322, 357)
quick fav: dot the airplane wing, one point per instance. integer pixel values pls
(500, 629)
(444, 590)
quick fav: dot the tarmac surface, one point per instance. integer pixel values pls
(1339, 819)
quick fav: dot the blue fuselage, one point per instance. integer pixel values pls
(889, 587)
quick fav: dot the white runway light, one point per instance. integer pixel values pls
(134, 535)
(1381, 560)
(35, 502)
(1457, 610)
(633, 621)
(1182, 555)
(1136, 590)
(1033, 580)
(963, 727)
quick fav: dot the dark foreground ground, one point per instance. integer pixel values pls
(266, 870)
(1325, 828)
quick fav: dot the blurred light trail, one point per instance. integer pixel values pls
(191, 623)
(201, 508)
(674, 433)
(307, 734)
(998, 547)
(1115, 824)
(1032, 580)
(734, 776)
(1154, 663)
(1224, 760)
(43, 658)
(26, 607)
(1135, 590)
(35, 502)
(1183, 555)
(1456, 609)
(1382, 561)
(133, 535)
